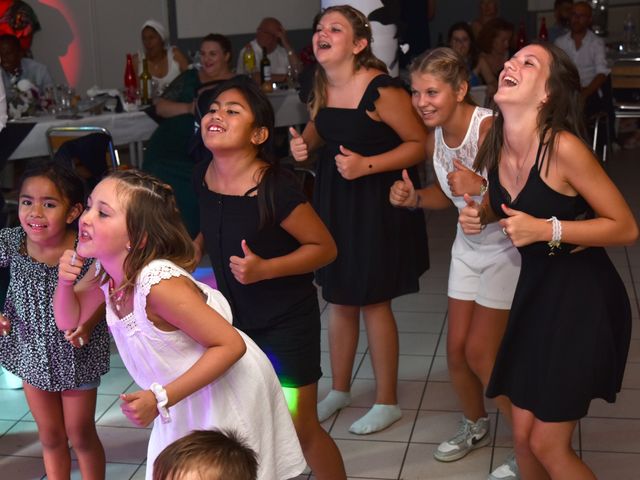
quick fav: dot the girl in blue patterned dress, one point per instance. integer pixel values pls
(60, 370)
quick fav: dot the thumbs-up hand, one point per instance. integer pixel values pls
(463, 180)
(350, 165)
(69, 267)
(297, 145)
(139, 407)
(522, 228)
(402, 193)
(470, 216)
(247, 269)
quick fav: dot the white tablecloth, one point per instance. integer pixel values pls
(125, 128)
(288, 108)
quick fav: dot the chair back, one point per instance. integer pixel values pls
(58, 136)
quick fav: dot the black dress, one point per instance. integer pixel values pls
(569, 329)
(382, 250)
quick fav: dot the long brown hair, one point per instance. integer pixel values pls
(154, 226)
(365, 58)
(562, 111)
(446, 64)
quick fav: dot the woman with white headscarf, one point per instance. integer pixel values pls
(165, 62)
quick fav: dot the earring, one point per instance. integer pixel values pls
(98, 268)
(128, 247)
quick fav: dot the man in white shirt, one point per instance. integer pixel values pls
(15, 67)
(272, 36)
(587, 51)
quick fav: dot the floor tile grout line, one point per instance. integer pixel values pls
(422, 395)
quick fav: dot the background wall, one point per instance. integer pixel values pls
(84, 42)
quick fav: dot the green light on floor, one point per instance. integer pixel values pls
(291, 396)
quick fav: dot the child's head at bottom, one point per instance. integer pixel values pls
(51, 198)
(206, 455)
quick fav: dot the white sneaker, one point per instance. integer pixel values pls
(507, 471)
(469, 436)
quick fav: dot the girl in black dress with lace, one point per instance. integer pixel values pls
(569, 329)
(370, 133)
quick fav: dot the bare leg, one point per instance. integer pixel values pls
(382, 334)
(79, 411)
(320, 451)
(528, 464)
(551, 444)
(466, 383)
(46, 408)
(483, 340)
(344, 330)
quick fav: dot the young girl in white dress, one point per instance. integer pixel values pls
(174, 334)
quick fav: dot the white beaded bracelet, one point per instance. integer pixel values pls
(556, 234)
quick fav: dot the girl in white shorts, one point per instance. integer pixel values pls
(485, 267)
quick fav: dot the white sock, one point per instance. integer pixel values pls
(334, 401)
(378, 418)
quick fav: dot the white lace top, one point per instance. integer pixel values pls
(247, 398)
(443, 154)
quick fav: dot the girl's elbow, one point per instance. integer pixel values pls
(632, 234)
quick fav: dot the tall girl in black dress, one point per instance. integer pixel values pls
(265, 240)
(569, 329)
(370, 132)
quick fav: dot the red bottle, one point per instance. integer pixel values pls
(130, 81)
(521, 39)
(543, 34)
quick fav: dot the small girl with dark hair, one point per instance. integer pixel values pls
(265, 240)
(173, 333)
(61, 370)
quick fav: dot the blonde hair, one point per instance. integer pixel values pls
(446, 64)
(154, 226)
(365, 58)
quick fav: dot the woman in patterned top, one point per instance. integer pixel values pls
(61, 370)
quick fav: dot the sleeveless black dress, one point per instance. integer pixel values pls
(569, 329)
(382, 250)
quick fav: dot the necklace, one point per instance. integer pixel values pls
(518, 168)
(117, 297)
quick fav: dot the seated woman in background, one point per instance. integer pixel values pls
(166, 154)
(494, 41)
(165, 62)
(462, 40)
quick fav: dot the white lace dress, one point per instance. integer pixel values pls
(247, 398)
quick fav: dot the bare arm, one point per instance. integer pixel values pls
(178, 304)
(180, 58)
(394, 108)
(168, 108)
(317, 249)
(75, 304)
(303, 144)
(577, 171)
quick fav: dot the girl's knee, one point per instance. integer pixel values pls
(82, 438)
(52, 438)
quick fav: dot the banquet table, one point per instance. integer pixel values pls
(127, 128)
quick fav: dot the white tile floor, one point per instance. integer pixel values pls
(608, 439)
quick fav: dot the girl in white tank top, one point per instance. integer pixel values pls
(484, 268)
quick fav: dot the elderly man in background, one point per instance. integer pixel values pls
(272, 36)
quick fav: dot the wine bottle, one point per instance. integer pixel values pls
(249, 59)
(521, 39)
(543, 34)
(145, 84)
(130, 81)
(265, 69)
